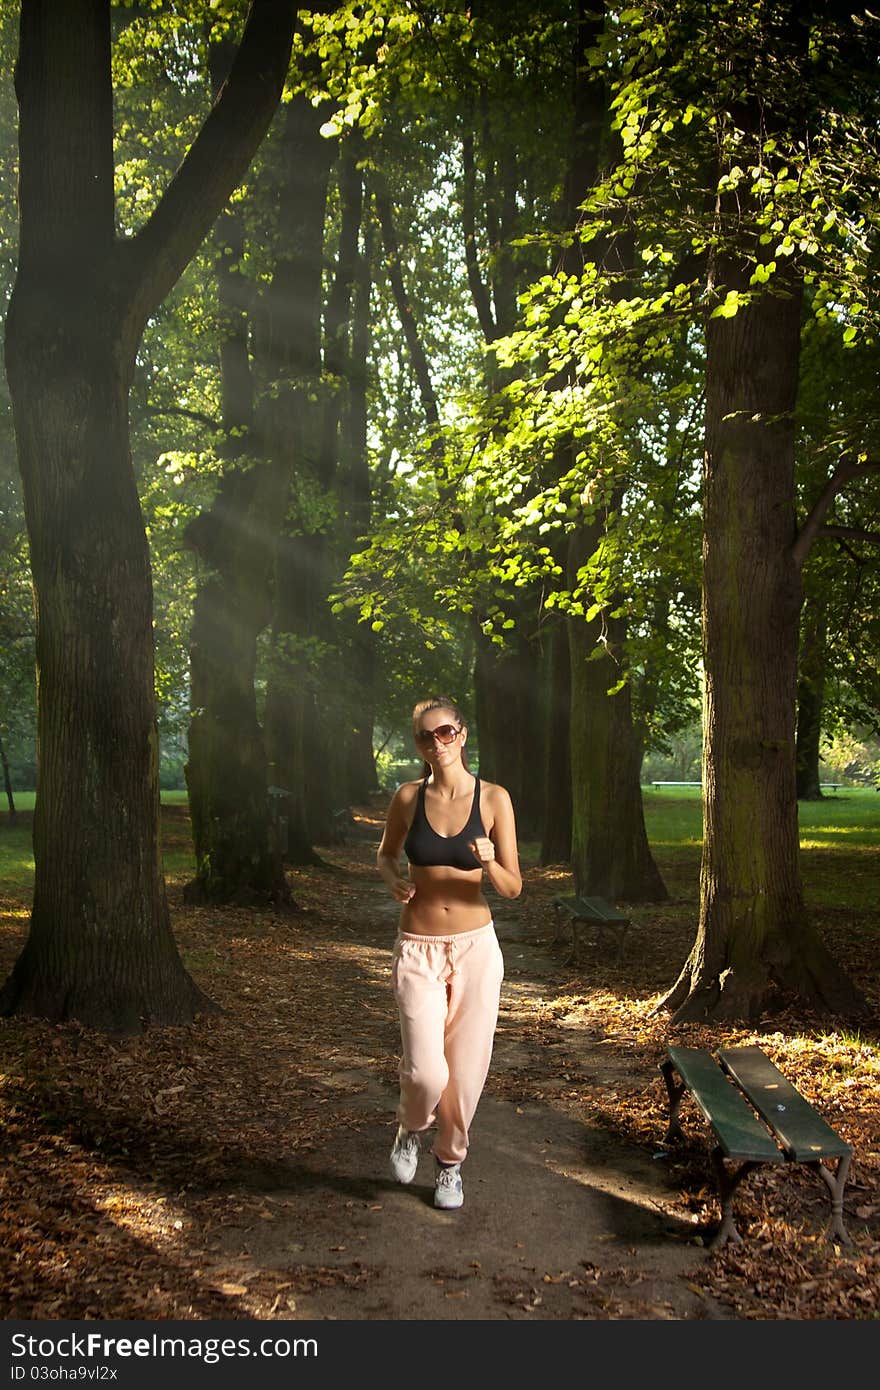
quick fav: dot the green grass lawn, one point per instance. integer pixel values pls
(17, 853)
(840, 839)
(839, 835)
(24, 801)
(851, 816)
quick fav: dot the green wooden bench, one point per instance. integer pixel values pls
(578, 913)
(728, 1092)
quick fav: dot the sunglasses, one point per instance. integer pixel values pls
(445, 733)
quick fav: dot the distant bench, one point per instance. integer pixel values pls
(578, 913)
(792, 1132)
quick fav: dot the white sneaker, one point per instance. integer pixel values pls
(448, 1191)
(405, 1155)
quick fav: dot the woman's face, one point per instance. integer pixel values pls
(441, 723)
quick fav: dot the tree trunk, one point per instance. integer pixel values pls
(556, 842)
(755, 948)
(810, 700)
(610, 855)
(298, 432)
(100, 948)
(510, 729)
(329, 717)
(237, 860)
(356, 491)
(7, 783)
(226, 773)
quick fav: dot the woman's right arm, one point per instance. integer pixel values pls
(388, 853)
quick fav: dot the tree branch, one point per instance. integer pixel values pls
(152, 412)
(404, 305)
(843, 474)
(850, 533)
(337, 313)
(479, 293)
(217, 160)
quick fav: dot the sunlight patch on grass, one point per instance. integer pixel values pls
(852, 847)
(846, 1049)
(685, 843)
(840, 829)
(830, 839)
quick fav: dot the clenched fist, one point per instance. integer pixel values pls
(402, 889)
(483, 849)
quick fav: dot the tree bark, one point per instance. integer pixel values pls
(306, 761)
(610, 855)
(510, 726)
(756, 949)
(100, 947)
(7, 784)
(226, 774)
(556, 841)
(356, 492)
(810, 701)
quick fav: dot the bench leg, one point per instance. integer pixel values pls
(836, 1182)
(575, 955)
(617, 933)
(728, 1181)
(559, 933)
(621, 940)
(675, 1093)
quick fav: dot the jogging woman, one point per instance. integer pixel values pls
(456, 832)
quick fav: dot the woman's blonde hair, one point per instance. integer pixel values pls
(438, 702)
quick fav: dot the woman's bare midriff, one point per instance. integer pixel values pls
(446, 901)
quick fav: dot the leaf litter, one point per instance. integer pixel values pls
(127, 1161)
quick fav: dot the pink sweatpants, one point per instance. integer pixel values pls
(447, 990)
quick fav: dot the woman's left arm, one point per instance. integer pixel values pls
(498, 852)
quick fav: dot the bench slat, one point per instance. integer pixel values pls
(801, 1130)
(739, 1131)
(601, 909)
(596, 908)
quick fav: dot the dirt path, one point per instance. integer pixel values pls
(237, 1168)
(560, 1220)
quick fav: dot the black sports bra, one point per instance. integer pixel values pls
(424, 847)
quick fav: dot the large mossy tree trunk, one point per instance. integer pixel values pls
(756, 948)
(100, 948)
(810, 701)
